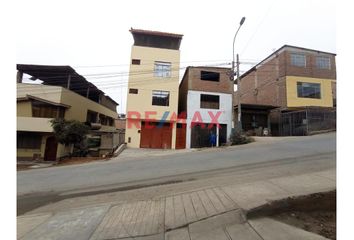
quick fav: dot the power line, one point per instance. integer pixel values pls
(144, 60)
(258, 26)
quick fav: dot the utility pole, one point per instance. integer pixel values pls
(232, 78)
(239, 123)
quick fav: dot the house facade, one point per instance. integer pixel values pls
(62, 94)
(205, 100)
(290, 79)
(152, 99)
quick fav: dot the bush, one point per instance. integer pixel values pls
(71, 132)
(238, 139)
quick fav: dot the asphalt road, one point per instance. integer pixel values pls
(114, 173)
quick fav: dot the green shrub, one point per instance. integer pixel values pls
(71, 132)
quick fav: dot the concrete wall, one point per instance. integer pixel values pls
(27, 154)
(77, 111)
(24, 109)
(142, 78)
(78, 104)
(31, 124)
(293, 100)
(50, 93)
(193, 106)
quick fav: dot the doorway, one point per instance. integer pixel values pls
(51, 147)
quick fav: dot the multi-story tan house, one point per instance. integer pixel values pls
(152, 99)
(290, 79)
(62, 94)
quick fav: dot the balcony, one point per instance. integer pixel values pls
(32, 124)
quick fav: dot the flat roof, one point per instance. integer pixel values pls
(156, 39)
(155, 33)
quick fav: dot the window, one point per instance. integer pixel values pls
(209, 101)
(110, 121)
(44, 110)
(309, 90)
(323, 62)
(29, 140)
(136, 61)
(105, 120)
(160, 98)
(133, 91)
(91, 116)
(162, 69)
(210, 76)
(298, 60)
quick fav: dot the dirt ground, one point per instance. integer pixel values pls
(78, 160)
(320, 222)
(314, 213)
(63, 162)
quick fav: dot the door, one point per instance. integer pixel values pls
(51, 147)
(222, 134)
(181, 136)
(155, 135)
(200, 134)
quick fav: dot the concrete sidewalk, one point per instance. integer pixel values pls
(210, 213)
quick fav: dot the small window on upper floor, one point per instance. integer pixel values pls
(44, 110)
(323, 63)
(136, 61)
(162, 69)
(209, 101)
(298, 59)
(133, 90)
(160, 98)
(210, 76)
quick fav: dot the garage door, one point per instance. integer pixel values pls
(155, 135)
(200, 134)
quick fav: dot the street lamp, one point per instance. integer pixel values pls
(239, 125)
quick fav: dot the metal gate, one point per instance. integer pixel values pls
(305, 122)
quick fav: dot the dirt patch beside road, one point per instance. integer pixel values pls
(320, 222)
(79, 160)
(63, 162)
(314, 213)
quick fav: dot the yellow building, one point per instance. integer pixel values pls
(152, 100)
(290, 92)
(62, 94)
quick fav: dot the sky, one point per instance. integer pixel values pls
(93, 36)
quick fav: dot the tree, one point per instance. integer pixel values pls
(70, 132)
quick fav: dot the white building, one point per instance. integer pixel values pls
(205, 96)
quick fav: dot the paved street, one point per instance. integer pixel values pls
(209, 213)
(114, 172)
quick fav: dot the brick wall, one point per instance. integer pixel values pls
(265, 84)
(310, 70)
(223, 86)
(191, 81)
